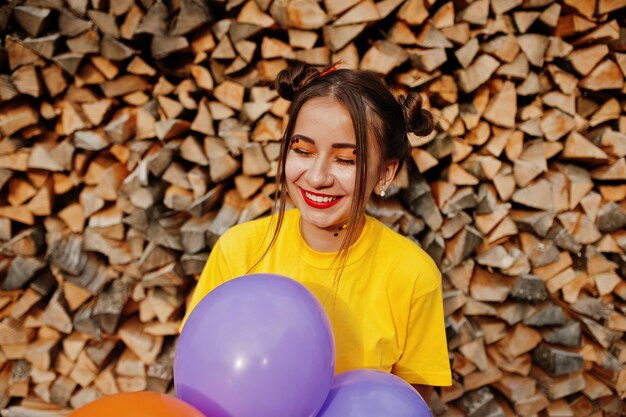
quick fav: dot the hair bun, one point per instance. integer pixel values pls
(418, 120)
(291, 80)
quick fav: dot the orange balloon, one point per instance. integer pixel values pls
(137, 404)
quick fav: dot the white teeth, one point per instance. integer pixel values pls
(319, 199)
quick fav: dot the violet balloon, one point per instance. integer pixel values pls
(258, 345)
(370, 393)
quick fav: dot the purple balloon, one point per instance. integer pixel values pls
(258, 345)
(370, 393)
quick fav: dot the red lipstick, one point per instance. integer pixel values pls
(317, 204)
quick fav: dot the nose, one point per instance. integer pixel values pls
(318, 175)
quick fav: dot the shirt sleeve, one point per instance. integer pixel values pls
(425, 356)
(214, 273)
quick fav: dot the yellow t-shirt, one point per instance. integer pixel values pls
(388, 310)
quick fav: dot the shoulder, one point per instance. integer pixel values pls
(409, 260)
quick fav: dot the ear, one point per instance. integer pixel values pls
(387, 176)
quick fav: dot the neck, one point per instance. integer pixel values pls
(328, 239)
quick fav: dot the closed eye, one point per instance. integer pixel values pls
(301, 151)
(346, 161)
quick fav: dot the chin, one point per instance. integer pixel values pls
(314, 219)
(320, 220)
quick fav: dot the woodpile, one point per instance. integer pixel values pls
(134, 133)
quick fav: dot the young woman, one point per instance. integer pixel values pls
(345, 140)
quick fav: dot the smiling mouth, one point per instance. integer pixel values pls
(319, 201)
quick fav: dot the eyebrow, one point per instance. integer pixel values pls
(334, 145)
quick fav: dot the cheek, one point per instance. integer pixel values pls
(346, 176)
(293, 169)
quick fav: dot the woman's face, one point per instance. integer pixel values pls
(321, 164)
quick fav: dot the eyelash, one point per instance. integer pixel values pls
(300, 151)
(339, 160)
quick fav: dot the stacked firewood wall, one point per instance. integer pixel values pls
(133, 133)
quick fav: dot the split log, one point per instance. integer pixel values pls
(136, 133)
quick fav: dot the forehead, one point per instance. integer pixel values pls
(324, 118)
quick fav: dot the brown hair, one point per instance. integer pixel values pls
(374, 111)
